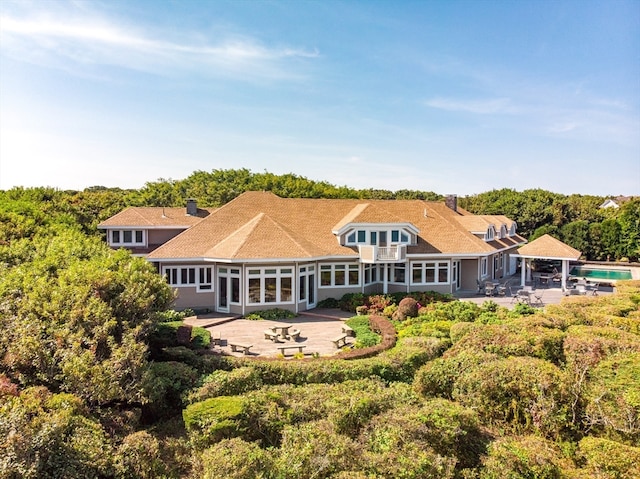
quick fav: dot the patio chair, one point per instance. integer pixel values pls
(489, 289)
(480, 287)
(502, 289)
(537, 294)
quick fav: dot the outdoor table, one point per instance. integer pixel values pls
(282, 329)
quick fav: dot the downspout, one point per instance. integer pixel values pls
(296, 281)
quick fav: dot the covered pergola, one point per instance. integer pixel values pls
(549, 248)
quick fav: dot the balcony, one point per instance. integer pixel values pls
(382, 254)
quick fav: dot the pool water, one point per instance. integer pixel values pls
(606, 274)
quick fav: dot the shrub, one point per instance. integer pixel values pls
(397, 444)
(315, 449)
(522, 393)
(138, 456)
(164, 384)
(227, 383)
(214, 419)
(365, 337)
(523, 458)
(165, 335)
(234, 459)
(274, 314)
(613, 397)
(407, 308)
(436, 378)
(609, 459)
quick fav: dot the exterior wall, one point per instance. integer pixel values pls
(189, 298)
(469, 274)
(159, 237)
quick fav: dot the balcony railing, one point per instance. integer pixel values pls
(382, 254)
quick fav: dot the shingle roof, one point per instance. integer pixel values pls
(154, 217)
(259, 225)
(549, 247)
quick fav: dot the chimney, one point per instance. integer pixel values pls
(192, 207)
(452, 202)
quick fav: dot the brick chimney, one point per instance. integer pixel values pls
(192, 207)
(452, 202)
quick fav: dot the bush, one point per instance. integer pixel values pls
(228, 383)
(522, 393)
(316, 450)
(214, 419)
(613, 398)
(165, 335)
(164, 384)
(407, 308)
(609, 459)
(138, 456)
(362, 329)
(525, 457)
(234, 459)
(274, 314)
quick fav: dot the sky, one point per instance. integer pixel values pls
(453, 97)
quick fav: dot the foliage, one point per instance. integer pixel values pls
(51, 435)
(524, 457)
(234, 459)
(407, 308)
(275, 314)
(365, 337)
(608, 459)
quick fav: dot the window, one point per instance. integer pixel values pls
(270, 285)
(483, 266)
(490, 234)
(183, 276)
(430, 272)
(374, 237)
(370, 273)
(332, 275)
(127, 237)
(395, 236)
(396, 273)
(362, 236)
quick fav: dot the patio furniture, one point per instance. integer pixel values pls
(299, 347)
(340, 341)
(236, 347)
(502, 288)
(271, 334)
(522, 296)
(594, 289)
(294, 334)
(489, 288)
(537, 294)
(480, 287)
(348, 330)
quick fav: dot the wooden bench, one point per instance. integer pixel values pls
(340, 340)
(235, 347)
(299, 347)
(348, 330)
(216, 338)
(271, 334)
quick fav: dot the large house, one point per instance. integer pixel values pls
(260, 251)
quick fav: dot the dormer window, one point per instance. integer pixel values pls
(490, 234)
(378, 237)
(503, 231)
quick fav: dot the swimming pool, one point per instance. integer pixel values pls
(601, 273)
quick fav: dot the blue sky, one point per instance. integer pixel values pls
(446, 96)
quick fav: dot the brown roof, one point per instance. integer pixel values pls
(154, 217)
(258, 225)
(549, 247)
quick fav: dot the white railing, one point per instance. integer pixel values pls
(382, 254)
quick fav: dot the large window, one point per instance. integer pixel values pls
(430, 272)
(127, 237)
(270, 285)
(332, 275)
(370, 273)
(396, 273)
(183, 276)
(483, 267)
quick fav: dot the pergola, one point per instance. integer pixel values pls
(550, 248)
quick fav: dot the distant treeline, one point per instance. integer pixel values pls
(600, 233)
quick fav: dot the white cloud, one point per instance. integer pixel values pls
(55, 40)
(483, 107)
